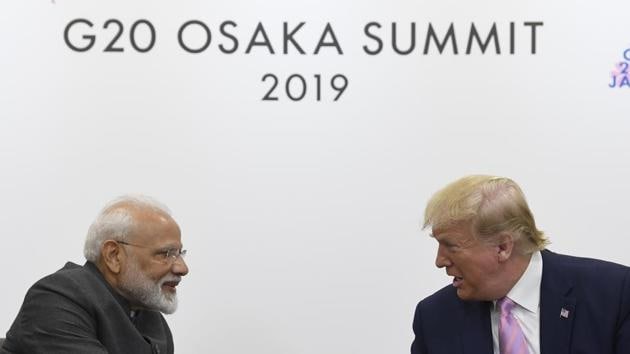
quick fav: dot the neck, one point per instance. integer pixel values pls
(514, 269)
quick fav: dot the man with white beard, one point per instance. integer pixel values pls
(112, 303)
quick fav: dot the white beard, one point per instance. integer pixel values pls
(139, 288)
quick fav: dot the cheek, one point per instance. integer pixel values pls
(485, 271)
(160, 272)
(154, 271)
(476, 271)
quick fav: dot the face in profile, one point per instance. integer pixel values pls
(474, 265)
(153, 266)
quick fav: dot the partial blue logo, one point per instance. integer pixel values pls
(620, 76)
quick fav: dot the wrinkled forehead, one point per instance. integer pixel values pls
(453, 230)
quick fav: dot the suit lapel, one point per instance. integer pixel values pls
(477, 328)
(557, 308)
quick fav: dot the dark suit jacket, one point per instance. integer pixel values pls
(76, 311)
(596, 294)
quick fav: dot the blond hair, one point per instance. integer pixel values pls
(492, 204)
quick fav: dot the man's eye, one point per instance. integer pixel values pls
(452, 247)
(449, 247)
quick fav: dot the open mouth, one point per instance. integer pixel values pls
(457, 281)
(170, 285)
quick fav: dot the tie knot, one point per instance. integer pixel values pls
(506, 305)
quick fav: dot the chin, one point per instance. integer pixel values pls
(466, 296)
(462, 295)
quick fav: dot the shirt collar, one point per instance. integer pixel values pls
(526, 291)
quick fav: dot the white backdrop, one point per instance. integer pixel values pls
(302, 218)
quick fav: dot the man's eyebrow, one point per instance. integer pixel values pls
(449, 243)
(171, 246)
(447, 238)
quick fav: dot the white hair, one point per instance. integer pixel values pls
(115, 221)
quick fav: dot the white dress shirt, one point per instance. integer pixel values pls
(526, 295)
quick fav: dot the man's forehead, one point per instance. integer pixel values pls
(451, 231)
(156, 228)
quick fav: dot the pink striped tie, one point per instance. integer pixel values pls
(511, 337)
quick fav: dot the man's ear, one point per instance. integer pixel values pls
(111, 256)
(505, 246)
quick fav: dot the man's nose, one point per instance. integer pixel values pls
(441, 260)
(179, 266)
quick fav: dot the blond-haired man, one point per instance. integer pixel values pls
(509, 294)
